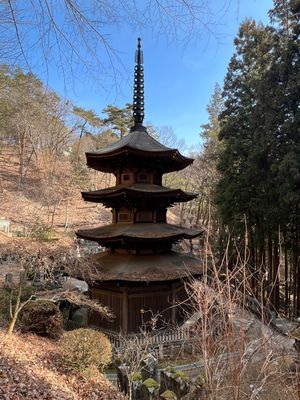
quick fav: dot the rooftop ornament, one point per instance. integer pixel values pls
(138, 91)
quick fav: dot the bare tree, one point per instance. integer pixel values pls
(77, 34)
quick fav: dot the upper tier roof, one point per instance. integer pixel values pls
(136, 148)
(146, 192)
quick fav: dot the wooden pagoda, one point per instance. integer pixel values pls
(139, 276)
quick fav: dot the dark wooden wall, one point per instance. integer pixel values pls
(140, 305)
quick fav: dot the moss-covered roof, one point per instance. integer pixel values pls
(109, 266)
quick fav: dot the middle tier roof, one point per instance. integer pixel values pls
(142, 232)
(113, 196)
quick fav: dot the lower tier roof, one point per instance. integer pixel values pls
(139, 232)
(109, 266)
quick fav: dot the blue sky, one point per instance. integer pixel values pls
(179, 80)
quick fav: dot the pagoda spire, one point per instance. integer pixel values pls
(138, 90)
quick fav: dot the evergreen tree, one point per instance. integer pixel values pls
(259, 162)
(120, 120)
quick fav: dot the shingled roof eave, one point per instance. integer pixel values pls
(171, 266)
(99, 235)
(103, 195)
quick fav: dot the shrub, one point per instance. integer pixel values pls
(41, 232)
(149, 386)
(170, 370)
(200, 381)
(179, 375)
(84, 348)
(168, 395)
(43, 318)
(137, 377)
(150, 383)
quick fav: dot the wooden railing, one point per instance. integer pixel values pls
(155, 338)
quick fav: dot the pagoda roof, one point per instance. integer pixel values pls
(110, 266)
(138, 190)
(147, 232)
(140, 144)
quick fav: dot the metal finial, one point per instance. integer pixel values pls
(138, 90)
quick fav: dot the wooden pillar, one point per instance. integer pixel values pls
(173, 291)
(134, 175)
(114, 216)
(125, 310)
(118, 176)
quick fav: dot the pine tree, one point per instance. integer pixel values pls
(120, 120)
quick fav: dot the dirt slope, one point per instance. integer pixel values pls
(30, 368)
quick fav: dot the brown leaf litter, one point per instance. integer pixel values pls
(31, 368)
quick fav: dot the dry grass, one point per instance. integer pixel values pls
(244, 357)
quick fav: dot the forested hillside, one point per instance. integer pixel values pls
(43, 141)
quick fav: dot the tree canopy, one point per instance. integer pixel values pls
(76, 34)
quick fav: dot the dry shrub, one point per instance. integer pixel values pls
(242, 356)
(9, 295)
(85, 348)
(43, 318)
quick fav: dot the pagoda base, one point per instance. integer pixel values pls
(142, 291)
(140, 305)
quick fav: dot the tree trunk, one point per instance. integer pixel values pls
(79, 142)
(66, 215)
(296, 268)
(13, 320)
(270, 269)
(276, 266)
(286, 280)
(21, 140)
